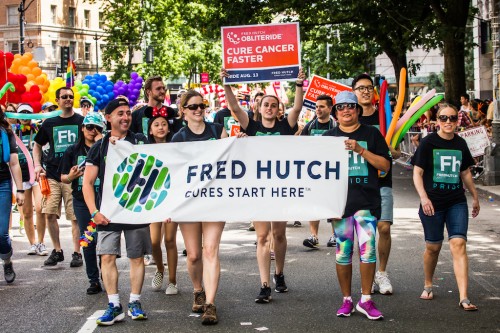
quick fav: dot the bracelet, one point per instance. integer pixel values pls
(94, 213)
(299, 84)
(20, 191)
(68, 179)
(361, 152)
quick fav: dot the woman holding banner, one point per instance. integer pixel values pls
(269, 125)
(368, 153)
(202, 239)
(441, 168)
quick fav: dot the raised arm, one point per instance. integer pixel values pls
(233, 104)
(293, 114)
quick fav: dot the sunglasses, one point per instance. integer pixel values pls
(86, 106)
(194, 107)
(341, 107)
(93, 127)
(67, 97)
(453, 119)
(364, 88)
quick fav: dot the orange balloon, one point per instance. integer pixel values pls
(28, 56)
(25, 70)
(17, 61)
(28, 85)
(36, 71)
(17, 55)
(39, 80)
(32, 64)
(30, 77)
(43, 89)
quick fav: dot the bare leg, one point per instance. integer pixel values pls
(384, 244)
(367, 274)
(212, 232)
(313, 228)
(27, 209)
(171, 246)
(262, 230)
(75, 230)
(40, 217)
(136, 275)
(191, 232)
(458, 247)
(110, 273)
(431, 256)
(155, 230)
(53, 230)
(280, 244)
(344, 275)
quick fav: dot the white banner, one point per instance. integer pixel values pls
(279, 178)
(477, 140)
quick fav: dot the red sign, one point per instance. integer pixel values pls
(235, 130)
(321, 86)
(204, 78)
(261, 53)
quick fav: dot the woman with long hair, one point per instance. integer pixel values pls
(202, 239)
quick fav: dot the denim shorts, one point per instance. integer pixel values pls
(456, 219)
(387, 204)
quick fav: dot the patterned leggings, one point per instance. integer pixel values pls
(366, 227)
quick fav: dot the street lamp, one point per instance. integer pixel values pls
(96, 38)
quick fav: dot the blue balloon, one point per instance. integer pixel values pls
(109, 88)
(88, 77)
(96, 76)
(92, 85)
(100, 90)
(103, 78)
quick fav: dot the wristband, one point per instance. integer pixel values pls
(94, 213)
(299, 84)
(20, 191)
(69, 179)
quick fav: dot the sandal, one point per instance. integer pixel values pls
(427, 294)
(468, 305)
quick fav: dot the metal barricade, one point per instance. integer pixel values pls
(408, 148)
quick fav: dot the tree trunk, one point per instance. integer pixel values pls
(454, 68)
(399, 61)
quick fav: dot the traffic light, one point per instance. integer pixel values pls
(64, 57)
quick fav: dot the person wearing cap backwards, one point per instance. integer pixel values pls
(86, 105)
(362, 85)
(71, 173)
(137, 236)
(59, 133)
(26, 131)
(368, 153)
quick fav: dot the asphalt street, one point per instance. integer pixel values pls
(54, 300)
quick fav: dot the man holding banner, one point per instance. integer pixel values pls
(270, 125)
(137, 236)
(368, 153)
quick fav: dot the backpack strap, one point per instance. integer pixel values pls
(5, 146)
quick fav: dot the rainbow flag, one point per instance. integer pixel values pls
(70, 74)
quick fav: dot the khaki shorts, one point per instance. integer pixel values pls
(52, 204)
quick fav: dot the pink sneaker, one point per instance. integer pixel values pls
(346, 309)
(369, 309)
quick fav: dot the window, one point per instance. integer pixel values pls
(72, 50)
(12, 15)
(71, 17)
(54, 49)
(53, 14)
(86, 54)
(14, 47)
(101, 20)
(86, 17)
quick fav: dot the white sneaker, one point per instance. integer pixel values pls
(172, 289)
(383, 282)
(33, 249)
(157, 280)
(42, 250)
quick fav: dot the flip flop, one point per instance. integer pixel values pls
(470, 306)
(427, 294)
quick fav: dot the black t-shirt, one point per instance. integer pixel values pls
(4, 167)
(27, 137)
(75, 155)
(97, 156)
(225, 118)
(281, 127)
(364, 190)
(385, 181)
(315, 128)
(139, 122)
(442, 161)
(211, 132)
(60, 133)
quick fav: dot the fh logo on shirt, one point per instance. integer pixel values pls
(64, 136)
(447, 166)
(357, 164)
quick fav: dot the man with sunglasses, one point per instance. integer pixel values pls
(362, 86)
(86, 105)
(59, 133)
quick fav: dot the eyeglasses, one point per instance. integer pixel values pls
(86, 106)
(341, 107)
(444, 119)
(67, 97)
(194, 107)
(364, 88)
(90, 127)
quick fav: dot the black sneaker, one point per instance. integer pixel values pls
(297, 224)
(8, 273)
(265, 294)
(280, 285)
(184, 253)
(76, 260)
(54, 258)
(332, 242)
(95, 288)
(311, 242)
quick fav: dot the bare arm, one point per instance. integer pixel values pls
(233, 104)
(294, 113)
(37, 160)
(396, 153)
(15, 170)
(469, 183)
(74, 173)
(89, 177)
(418, 180)
(377, 161)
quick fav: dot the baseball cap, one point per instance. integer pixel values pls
(344, 97)
(24, 108)
(114, 104)
(47, 105)
(86, 99)
(94, 118)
